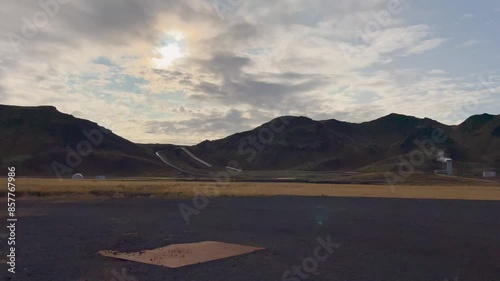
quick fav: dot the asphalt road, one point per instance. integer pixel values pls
(380, 239)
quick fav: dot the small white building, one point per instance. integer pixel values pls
(489, 174)
(77, 176)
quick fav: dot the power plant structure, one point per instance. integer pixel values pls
(449, 167)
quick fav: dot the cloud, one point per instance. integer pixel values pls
(467, 17)
(352, 60)
(426, 45)
(203, 124)
(438, 71)
(468, 43)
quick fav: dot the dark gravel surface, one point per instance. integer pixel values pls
(381, 239)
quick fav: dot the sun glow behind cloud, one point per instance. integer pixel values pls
(171, 48)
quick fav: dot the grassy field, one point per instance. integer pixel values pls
(34, 187)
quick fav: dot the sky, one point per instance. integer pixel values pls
(170, 71)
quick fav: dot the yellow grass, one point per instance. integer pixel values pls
(171, 188)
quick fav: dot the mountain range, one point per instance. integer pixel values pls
(45, 142)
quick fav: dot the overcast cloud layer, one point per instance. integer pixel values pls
(237, 63)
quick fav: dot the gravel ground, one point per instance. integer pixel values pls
(380, 239)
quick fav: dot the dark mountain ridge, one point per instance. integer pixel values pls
(34, 138)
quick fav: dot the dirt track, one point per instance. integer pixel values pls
(381, 239)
